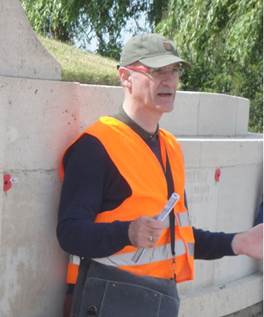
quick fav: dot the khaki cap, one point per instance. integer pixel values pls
(152, 50)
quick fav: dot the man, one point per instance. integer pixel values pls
(118, 175)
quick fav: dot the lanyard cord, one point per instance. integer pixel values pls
(170, 187)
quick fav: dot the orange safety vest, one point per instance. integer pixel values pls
(73, 269)
(143, 172)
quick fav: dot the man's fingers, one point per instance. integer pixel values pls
(249, 242)
(153, 223)
(151, 239)
(144, 232)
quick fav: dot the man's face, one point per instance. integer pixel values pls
(154, 89)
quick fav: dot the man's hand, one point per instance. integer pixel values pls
(144, 232)
(249, 243)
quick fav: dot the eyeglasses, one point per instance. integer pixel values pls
(162, 72)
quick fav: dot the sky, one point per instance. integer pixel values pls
(125, 35)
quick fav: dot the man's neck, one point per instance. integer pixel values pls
(145, 119)
(145, 135)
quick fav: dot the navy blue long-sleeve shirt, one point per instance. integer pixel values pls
(93, 184)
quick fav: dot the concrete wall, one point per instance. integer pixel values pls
(32, 265)
(39, 118)
(230, 284)
(208, 114)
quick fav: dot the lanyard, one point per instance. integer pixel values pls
(170, 187)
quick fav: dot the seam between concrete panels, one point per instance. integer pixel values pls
(37, 170)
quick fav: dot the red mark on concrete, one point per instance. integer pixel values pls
(7, 182)
(217, 174)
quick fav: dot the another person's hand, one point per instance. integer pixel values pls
(249, 243)
(144, 232)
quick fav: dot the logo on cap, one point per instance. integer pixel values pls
(168, 46)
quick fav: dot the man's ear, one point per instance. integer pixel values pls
(125, 77)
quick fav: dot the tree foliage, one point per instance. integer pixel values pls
(106, 19)
(223, 41)
(50, 18)
(221, 38)
(83, 20)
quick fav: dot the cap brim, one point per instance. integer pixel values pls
(162, 61)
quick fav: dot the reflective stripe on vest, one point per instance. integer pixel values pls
(155, 254)
(143, 172)
(72, 269)
(182, 219)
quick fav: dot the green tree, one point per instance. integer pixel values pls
(50, 18)
(222, 39)
(105, 19)
(83, 20)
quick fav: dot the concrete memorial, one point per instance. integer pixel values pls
(40, 115)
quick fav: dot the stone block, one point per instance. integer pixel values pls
(21, 53)
(242, 116)
(42, 118)
(251, 151)
(31, 263)
(237, 197)
(183, 119)
(201, 193)
(97, 101)
(219, 153)
(223, 299)
(191, 150)
(217, 115)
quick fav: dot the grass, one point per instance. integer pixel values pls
(81, 66)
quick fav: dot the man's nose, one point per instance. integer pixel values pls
(170, 81)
